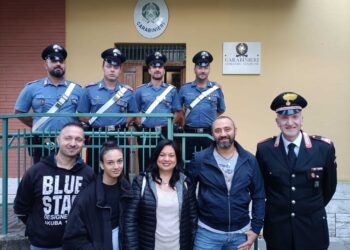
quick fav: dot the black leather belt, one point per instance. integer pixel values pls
(197, 130)
(110, 128)
(155, 128)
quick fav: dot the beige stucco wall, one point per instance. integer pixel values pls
(305, 48)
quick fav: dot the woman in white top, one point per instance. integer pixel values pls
(162, 214)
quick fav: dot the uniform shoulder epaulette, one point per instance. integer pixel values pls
(216, 84)
(74, 83)
(91, 84)
(267, 139)
(128, 87)
(321, 138)
(141, 85)
(29, 83)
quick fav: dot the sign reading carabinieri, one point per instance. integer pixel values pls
(241, 58)
(151, 17)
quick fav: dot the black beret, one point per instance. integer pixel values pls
(54, 52)
(288, 103)
(202, 58)
(113, 56)
(156, 59)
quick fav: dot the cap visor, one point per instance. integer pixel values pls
(113, 61)
(156, 63)
(288, 111)
(54, 57)
(202, 64)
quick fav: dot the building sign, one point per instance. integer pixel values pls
(151, 17)
(241, 58)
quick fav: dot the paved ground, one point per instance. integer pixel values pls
(16, 228)
(336, 244)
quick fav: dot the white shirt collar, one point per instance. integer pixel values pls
(297, 142)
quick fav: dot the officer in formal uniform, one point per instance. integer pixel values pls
(155, 97)
(202, 101)
(107, 96)
(300, 174)
(51, 94)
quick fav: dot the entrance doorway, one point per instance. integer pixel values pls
(135, 71)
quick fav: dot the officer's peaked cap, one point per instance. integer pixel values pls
(156, 59)
(288, 103)
(113, 56)
(54, 52)
(202, 58)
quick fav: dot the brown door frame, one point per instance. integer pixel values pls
(132, 73)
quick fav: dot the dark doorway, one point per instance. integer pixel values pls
(136, 72)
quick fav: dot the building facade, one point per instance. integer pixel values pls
(304, 48)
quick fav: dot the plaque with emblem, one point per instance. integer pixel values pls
(151, 17)
(241, 58)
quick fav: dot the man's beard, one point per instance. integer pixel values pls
(202, 77)
(57, 72)
(225, 144)
(157, 78)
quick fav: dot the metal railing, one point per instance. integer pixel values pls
(175, 52)
(19, 141)
(16, 143)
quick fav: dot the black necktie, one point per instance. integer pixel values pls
(292, 158)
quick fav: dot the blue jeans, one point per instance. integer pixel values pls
(207, 240)
(42, 248)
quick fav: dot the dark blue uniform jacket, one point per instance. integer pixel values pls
(296, 198)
